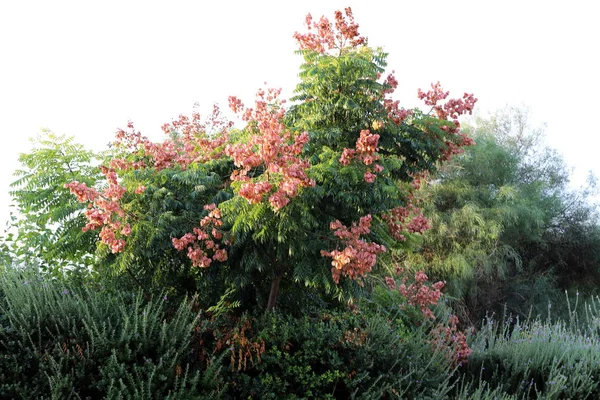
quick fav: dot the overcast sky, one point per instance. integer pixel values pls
(85, 68)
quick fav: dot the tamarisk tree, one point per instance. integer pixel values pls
(309, 194)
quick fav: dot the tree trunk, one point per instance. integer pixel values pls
(274, 290)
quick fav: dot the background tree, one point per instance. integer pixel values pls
(506, 226)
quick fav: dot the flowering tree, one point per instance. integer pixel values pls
(309, 194)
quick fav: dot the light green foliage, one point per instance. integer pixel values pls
(46, 228)
(539, 359)
(339, 92)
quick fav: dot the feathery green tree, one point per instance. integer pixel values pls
(46, 228)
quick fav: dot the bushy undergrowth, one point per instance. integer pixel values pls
(334, 355)
(61, 342)
(65, 342)
(58, 341)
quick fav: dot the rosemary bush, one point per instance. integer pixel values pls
(63, 342)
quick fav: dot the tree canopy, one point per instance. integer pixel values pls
(309, 195)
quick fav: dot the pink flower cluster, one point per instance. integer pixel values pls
(358, 257)
(366, 148)
(451, 341)
(196, 141)
(395, 113)
(254, 192)
(272, 148)
(456, 148)
(451, 110)
(104, 211)
(326, 38)
(418, 180)
(201, 140)
(418, 294)
(203, 240)
(402, 219)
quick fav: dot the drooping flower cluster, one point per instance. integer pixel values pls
(448, 338)
(365, 151)
(326, 39)
(272, 149)
(418, 180)
(191, 140)
(453, 108)
(418, 294)
(104, 211)
(358, 257)
(406, 219)
(205, 240)
(200, 140)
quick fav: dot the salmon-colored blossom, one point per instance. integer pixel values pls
(450, 110)
(358, 257)
(204, 240)
(326, 38)
(405, 219)
(365, 151)
(272, 148)
(104, 211)
(369, 177)
(451, 341)
(422, 295)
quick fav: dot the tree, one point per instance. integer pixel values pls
(293, 193)
(46, 229)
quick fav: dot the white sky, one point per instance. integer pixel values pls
(83, 69)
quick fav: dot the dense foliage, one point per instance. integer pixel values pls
(62, 342)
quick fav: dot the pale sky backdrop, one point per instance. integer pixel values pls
(85, 68)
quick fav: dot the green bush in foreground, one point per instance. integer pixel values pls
(343, 354)
(62, 342)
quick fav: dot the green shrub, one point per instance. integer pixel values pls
(64, 342)
(339, 354)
